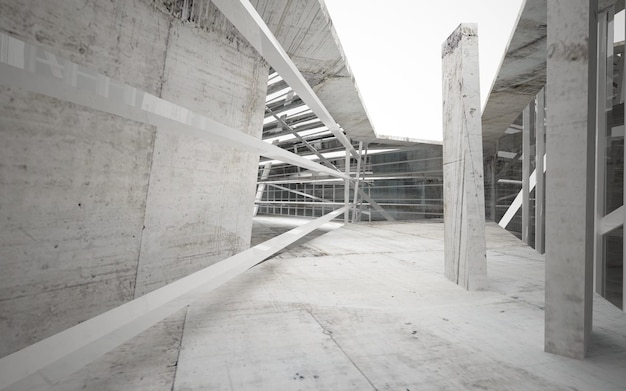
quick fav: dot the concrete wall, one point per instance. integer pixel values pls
(96, 209)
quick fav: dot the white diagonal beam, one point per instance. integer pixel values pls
(144, 107)
(250, 24)
(58, 356)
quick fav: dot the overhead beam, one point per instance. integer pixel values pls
(299, 138)
(250, 24)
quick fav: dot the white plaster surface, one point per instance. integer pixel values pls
(463, 187)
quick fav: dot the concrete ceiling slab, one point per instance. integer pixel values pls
(305, 31)
(522, 71)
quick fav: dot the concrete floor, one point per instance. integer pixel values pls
(367, 307)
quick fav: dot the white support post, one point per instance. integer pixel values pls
(528, 123)
(261, 186)
(620, 99)
(540, 187)
(346, 190)
(604, 106)
(357, 179)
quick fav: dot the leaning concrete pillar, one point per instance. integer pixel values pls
(570, 138)
(464, 202)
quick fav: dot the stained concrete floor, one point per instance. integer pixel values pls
(366, 307)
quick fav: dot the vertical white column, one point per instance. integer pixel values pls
(528, 123)
(540, 188)
(570, 153)
(464, 201)
(357, 180)
(261, 186)
(604, 107)
(346, 190)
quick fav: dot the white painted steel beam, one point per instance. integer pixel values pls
(346, 189)
(604, 91)
(299, 193)
(299, 138)
(356, 183)
(135, 104)
(528, 123)
(517, 202)
(540, 188)
(260, 188)
(43, 363)
(250, 24)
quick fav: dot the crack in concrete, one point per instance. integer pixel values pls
(330, 334)
(180, 345)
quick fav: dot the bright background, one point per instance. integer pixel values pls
(394, 50)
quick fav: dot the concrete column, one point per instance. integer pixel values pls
(464, 202)
(570, 143)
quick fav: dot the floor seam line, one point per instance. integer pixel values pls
(330, 334)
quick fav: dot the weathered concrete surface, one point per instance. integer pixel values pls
(72, 196)
(464, 203)
(367, 307)
(199, 206)
(305, 31)
(125, 40)
(570, 148)
(74, 182)
(522, 71)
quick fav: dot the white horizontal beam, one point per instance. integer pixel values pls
(250, 24)
(136, 104)
(45, 362)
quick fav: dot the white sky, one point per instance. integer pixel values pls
(394, 50)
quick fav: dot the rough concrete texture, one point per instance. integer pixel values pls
(75, 183)
(305, 30)
(569, 176)
(464, 203)
(72, 197)
(209, 219)
(125, 40)
(366, 306)
(522, 73)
